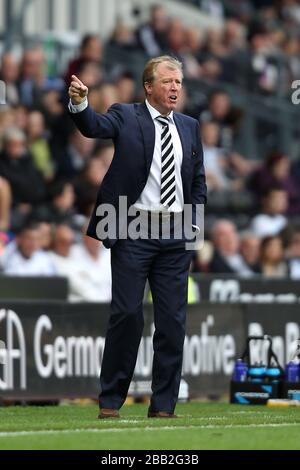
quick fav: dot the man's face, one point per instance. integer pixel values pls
(226, 239)
(277, 202)
(15, 148)
(163, 92)
(29, 241)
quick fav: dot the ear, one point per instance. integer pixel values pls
(148, 87)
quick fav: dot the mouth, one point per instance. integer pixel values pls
(173, 98)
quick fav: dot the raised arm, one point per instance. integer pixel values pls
(91, 124)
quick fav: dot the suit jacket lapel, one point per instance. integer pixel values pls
(148, 132)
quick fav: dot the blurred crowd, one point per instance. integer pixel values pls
(50, 173)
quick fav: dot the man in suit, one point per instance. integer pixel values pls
(158, 166)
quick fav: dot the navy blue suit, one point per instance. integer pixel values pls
(164, 263)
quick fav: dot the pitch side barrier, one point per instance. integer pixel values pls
(53, 350)
(32, 287)
(234, 289)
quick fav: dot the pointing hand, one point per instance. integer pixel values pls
(77, 90)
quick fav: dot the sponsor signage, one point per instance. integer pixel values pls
(224, 288)
(53, 350)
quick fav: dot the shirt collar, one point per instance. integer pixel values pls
(154, 113)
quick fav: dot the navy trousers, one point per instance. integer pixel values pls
(165, 263)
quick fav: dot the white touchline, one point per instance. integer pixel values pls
(162, 428)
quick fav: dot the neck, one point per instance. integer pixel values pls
(271, 266)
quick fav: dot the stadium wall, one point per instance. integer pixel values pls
(83, 16)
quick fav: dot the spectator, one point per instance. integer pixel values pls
(46, 230)
(60, 209)
(39, 144)
(276, 172)
(25, 257)
(5, 204)
(9, 73)
(250, 251)
(91, 73)
(291, 49)
(226, 257)
(93, 270)
(215, 47)
(241, 9)
(193, 52)
(74, 157)
(32, 78)
(272, 219)
(290, 11)
(293, 254)
(20, 117)
(62, 241)
(60, 254)
(221, 111)
(125, 88)
(16, 166)
(272, 257)
(152, 36)
(214, 160)
(212, 56)
(225, 171)
(86, 265)
(261, 71)
(91, 49)
(176, 37)
(123, 38)
(234, 37)
(108, 95)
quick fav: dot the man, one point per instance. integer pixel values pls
(24, 256)
(226, 243)
(158, 166)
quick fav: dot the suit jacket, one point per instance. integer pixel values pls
(219, 264)
(132, 129)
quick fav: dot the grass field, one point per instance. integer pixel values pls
(199, 426)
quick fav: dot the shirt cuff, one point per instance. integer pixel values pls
(77, 108)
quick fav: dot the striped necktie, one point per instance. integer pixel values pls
(167, 185)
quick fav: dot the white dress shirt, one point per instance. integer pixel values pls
(77, 108)
(150, 197)
(39, 264)
(93, 275)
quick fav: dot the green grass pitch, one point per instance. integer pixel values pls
(199, 426)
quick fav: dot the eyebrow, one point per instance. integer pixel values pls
(166, 79)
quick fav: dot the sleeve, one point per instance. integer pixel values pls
(94, 125)
(77, 108)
